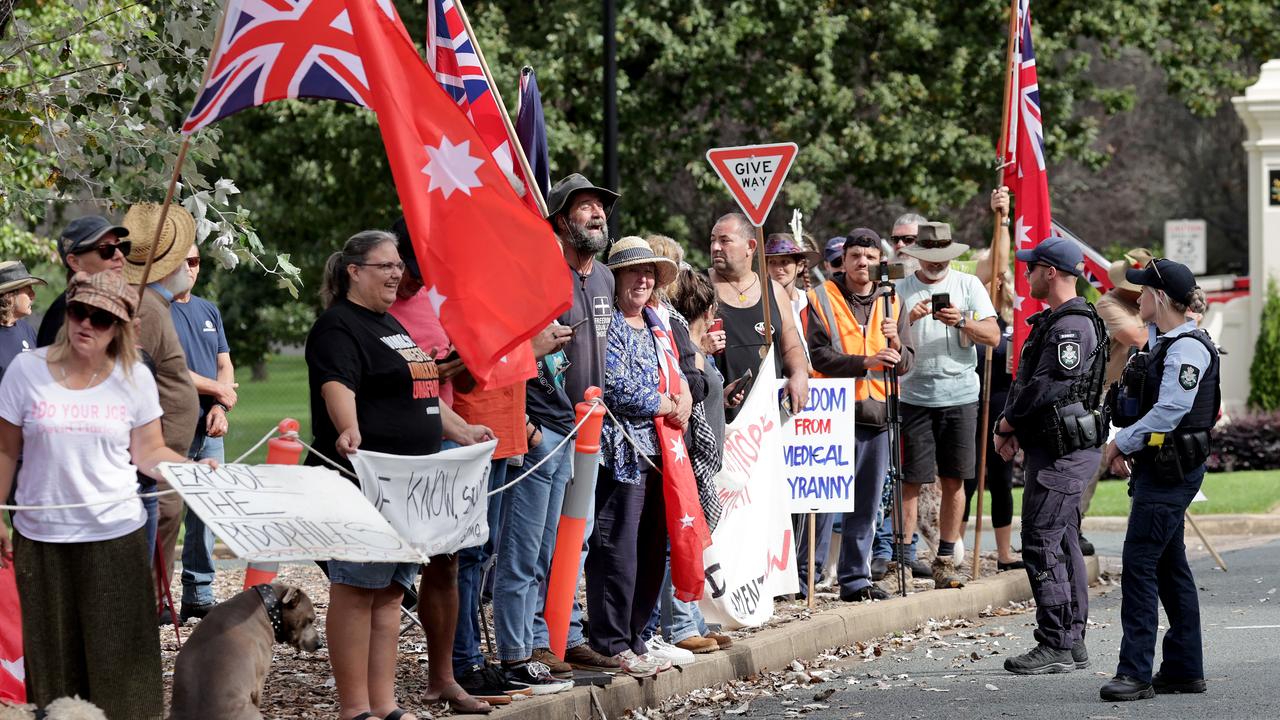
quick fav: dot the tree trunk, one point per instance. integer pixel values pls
(260, 371)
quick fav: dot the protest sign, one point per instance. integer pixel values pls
(274, 513)
(751, 559)
(817, 449)
(438, 503)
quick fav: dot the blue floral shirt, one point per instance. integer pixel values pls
(631, 392)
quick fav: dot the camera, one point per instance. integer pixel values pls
(892, 271)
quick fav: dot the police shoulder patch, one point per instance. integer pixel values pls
(1069, 355)
(1188, 376)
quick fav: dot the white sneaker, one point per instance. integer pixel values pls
(537, 678)
(640, 665)
(664, 650)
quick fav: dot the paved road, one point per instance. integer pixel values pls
(1241, 618)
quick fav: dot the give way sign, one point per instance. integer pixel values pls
(753, 174)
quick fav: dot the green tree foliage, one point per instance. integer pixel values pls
(1264, 373)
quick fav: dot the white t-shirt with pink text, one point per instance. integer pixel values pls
(75, 449)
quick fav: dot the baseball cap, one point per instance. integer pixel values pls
(835, 249)
(1175, 279)
(84, 232)
(1057, 252)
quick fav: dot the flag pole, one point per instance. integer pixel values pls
(517, 149)
(999, 258)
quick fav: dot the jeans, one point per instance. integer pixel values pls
(197, 543)
(883, 546)
(152, 506)
(471, 561)
(870, 460)
(680, 620)
(527, 540)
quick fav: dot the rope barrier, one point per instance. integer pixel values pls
(555, 450)
(291, 434)
(73, 506)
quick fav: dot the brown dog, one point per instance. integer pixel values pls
(220, 671)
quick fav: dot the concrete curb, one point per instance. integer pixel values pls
(775, 648)
(1268, 524)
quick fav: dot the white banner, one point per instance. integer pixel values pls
(280, 513)
(817, 449)
(751, 558)
(439, 503)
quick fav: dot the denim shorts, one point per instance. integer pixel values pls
(373, 575)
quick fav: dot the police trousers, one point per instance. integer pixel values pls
(1156, 573)
(1051, 543)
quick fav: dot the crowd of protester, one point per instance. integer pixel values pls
(668, 344)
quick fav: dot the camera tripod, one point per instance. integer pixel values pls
(894, 416)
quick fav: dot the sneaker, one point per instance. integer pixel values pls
(1172, 685)
(1041, 660)
(1080, 655)
(535, 676)
(698, 645)
(1086, 547)
(194, 610)
(664, 650)
(1123, 687)
(871, 592)
(559, 668)
(488, 683)
(724, 641)
(878, 568)
(584, 658)
(640, 665)
(945, 574)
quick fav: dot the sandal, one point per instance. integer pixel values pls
(366, 716)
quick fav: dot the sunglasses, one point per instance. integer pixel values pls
(108, 251)
(903, 239)
(99, 319)
(193, 262)
(1154, 265)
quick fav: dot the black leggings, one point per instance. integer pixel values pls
(999, 484)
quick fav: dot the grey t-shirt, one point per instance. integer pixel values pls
(944, 372)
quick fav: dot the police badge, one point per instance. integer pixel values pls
(1188, 376)
(1069, 355)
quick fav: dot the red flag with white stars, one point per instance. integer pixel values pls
(686, 525)
(493, 270)
(13, 672)
(1025, 174)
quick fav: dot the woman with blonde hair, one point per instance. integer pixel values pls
(17, 292)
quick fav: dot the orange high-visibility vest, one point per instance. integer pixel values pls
(850, 337)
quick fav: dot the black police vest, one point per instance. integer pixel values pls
(1087, 388)
(1204, 409)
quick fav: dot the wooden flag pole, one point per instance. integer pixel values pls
(516, 148)
(999, 258)
(766, 292)
(164, 214)
(813, 550)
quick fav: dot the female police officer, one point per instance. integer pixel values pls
(1168, 404)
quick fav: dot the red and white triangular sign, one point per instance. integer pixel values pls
(753, 174)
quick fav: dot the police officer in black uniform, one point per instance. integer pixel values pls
(1166, 402)
(1053, 414)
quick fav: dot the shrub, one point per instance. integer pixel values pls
(1249, 442)
(1264, 373)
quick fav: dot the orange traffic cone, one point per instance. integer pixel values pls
(280, 451)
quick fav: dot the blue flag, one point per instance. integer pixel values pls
(531, 128)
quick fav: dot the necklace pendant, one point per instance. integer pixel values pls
(742, 298)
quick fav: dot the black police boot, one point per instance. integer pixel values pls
(1080, 654)
(1173, 685)
(1086, 547)
(1123, 687)
(1041, 660)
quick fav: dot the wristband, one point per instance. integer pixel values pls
(225, 409)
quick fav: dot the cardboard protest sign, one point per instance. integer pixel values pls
(753, 174)
(751, 559)
(275, 513)
(817, 449)
(438, 503)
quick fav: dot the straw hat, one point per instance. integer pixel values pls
(176, 237)
(1135, 259)
(14, 276)
(632, 250)
(104, 290)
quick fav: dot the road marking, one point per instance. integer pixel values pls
(1252, 627)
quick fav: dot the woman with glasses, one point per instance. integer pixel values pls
(373, 388)
(85, 416)
(89, 244)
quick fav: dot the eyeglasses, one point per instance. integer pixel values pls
(903, 239)
(386, 267)
(99, 319)
(108, 251)
(193, 262)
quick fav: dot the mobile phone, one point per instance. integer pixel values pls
(453, 355)
(940, 301)
(784, 407)
(737, 385)
(574, 327)
(716, 325)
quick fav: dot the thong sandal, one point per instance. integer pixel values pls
(483, 708)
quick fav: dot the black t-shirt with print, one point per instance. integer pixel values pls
(396, 384)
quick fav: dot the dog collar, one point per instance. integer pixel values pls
(275, 614)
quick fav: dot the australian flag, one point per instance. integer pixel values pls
(279, 49)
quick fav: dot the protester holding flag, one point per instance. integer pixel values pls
(372, 387)
(83, 574)
(642, 384)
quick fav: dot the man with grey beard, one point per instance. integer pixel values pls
(570, 358)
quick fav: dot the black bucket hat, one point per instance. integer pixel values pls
(560, 193)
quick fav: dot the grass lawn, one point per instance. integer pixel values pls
(1254, 491)
(263, 404)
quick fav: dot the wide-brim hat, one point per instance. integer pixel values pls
(784, 244)
(560, 193)
(104, 290)
(1135, 259)
(933, 244)
(631, 251)
(14, 276)
(177, 235)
